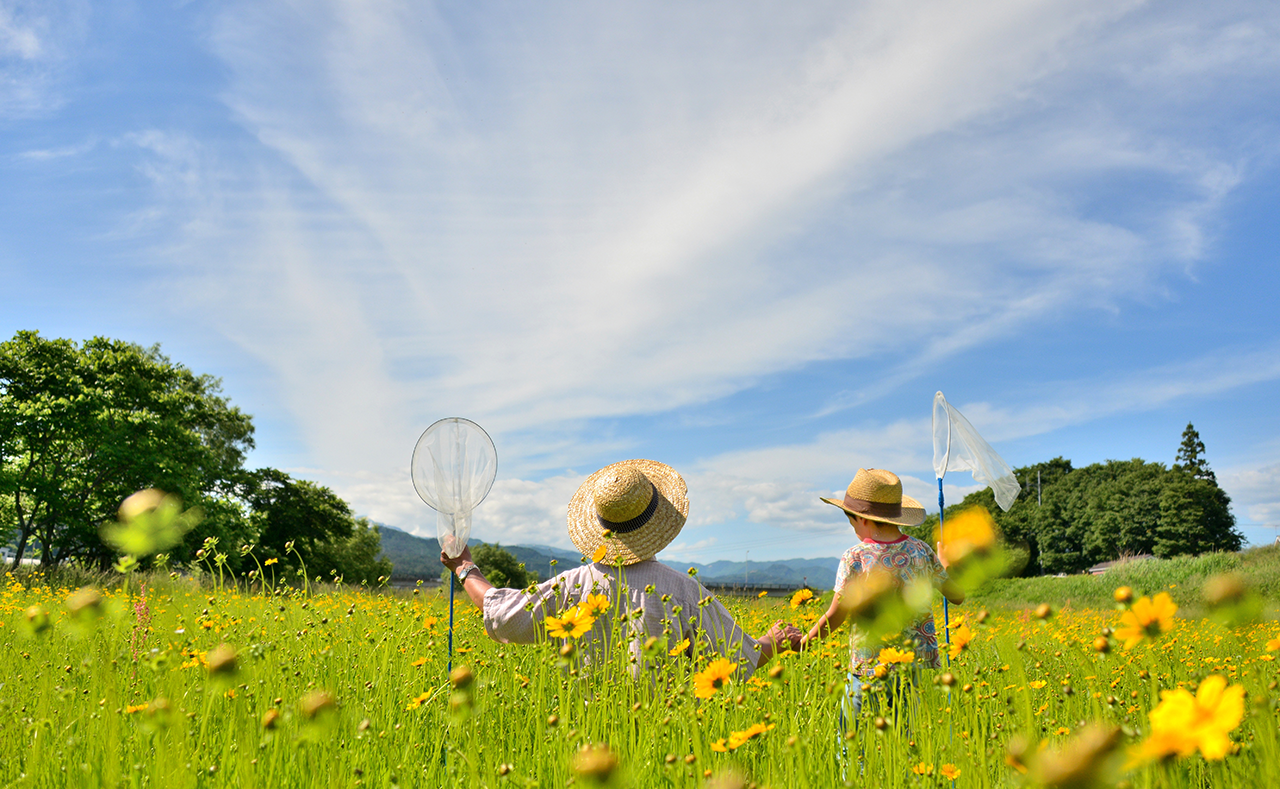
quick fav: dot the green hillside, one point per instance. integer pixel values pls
(1182, 577)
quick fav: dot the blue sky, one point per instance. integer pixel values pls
(750, 241)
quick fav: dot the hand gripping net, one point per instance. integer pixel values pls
(958, 447)
(454, 465)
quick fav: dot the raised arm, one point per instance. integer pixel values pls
(475, 584)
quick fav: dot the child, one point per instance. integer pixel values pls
(876, 508)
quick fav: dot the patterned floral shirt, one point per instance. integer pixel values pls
(907, 558)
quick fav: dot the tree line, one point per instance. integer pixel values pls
(1068, 519)
(83, 426)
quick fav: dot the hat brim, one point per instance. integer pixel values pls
(912, 512)
(643, 543)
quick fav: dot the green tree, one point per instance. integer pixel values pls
(1107, 510)
(84, 426)
(1191, 457)
(356, 559)
(285, 510)
(500, 566)
(330, 540)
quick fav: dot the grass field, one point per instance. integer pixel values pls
(1259, 568)
(177, 684)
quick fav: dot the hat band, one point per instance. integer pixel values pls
(876, 508)
(636, 522)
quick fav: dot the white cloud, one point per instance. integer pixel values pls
(549, 225)
(17, 39)
(573, 212)
(37, 41)
(63, 152)
(1257, 492)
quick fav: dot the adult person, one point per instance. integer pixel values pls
(620, 518)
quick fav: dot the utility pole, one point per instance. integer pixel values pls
(746, 572)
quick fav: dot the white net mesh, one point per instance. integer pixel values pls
(958, 447)
(454, 465)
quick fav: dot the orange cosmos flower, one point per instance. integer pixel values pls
(712, 678)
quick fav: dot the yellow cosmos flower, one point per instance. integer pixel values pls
(419, 662)
(600, 553)
(922, 769)
(960, 639)
(971, 531)
(889, 656)
(1148, 618)
(1037, 684)
(1273, 645)
(595, 604)
(679, 649)
(712, 678)
(949, 771)
(762, 594)
(739, 738)
(1182, 723)
(270, 562)
(415, 703)
(573, 623)
(801, 597)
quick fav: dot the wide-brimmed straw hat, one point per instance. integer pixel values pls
(633, 508)
(876, 494)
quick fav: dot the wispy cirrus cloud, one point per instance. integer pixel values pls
(37, 42)
(561, 217)
(536, 248)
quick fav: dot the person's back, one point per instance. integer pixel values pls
(621, 516)
(876, 508)
(904, 559)
(646, 599)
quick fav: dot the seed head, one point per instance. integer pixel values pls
(595, 762)
(317, 702)
(461, 677)
(221, 660)
(86, 602)
(270, 719)
(1224, 589)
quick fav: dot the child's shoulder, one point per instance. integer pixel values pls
(916, 545)
(856, 549)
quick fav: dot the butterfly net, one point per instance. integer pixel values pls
(454, 465)
(958, 447)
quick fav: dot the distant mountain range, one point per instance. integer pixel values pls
(419, 557)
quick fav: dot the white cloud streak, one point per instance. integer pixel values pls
(558, 214)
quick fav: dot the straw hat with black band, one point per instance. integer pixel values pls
(876, 494)
(633, 509)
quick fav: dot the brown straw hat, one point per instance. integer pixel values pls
(633, 508)
(876, 494)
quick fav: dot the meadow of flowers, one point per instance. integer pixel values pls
(173, 682)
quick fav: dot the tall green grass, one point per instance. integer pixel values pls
(1258, 567)
(357, 687)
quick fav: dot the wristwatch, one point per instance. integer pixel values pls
(465, 570)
